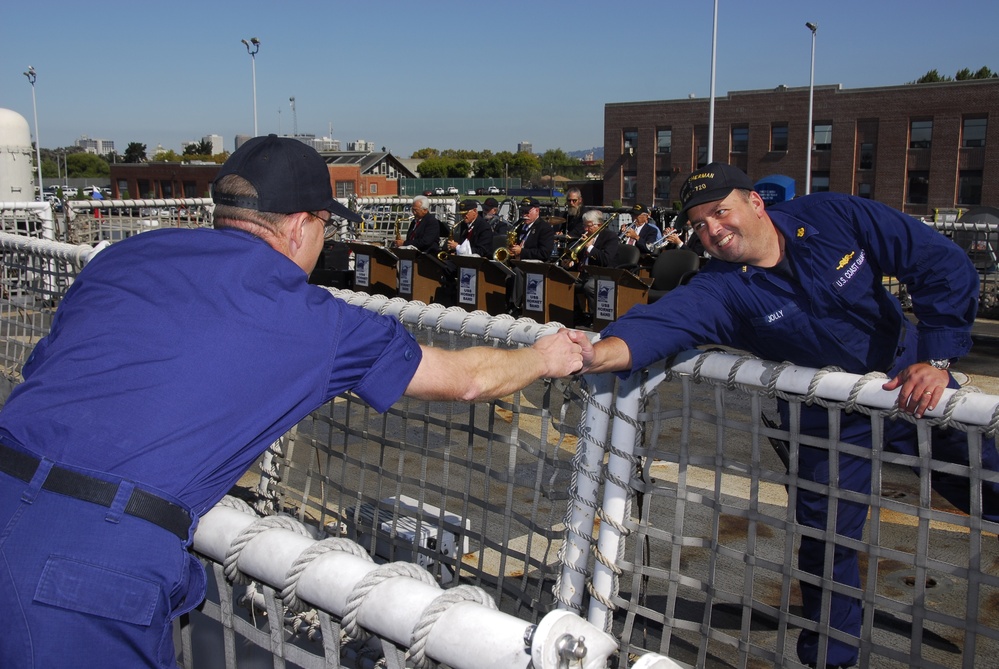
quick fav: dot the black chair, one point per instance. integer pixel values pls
(627, 257)
(672, 268)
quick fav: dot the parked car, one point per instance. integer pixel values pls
(452, 190)
(438, 191)
(493, 190)
(428, 193)
(471, 191)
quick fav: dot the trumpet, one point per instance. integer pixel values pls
(623, 233)
(662, 241)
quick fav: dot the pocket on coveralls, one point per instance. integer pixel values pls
(97, 590)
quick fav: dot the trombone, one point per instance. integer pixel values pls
(572, 253)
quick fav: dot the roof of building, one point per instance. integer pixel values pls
(367, 160)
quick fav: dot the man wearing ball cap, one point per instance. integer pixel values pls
(801, 281)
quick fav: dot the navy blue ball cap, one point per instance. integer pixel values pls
(288, 175)
(529, 203)
(711, 183)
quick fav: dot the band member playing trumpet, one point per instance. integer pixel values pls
(473, 228)
(642, 233)
(425, 231)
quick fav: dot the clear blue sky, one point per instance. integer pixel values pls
(448, 73)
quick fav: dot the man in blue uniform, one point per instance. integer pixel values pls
(802, 281)
(174, 360)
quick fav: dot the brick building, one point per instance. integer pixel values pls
(916, 147)
(361, 174)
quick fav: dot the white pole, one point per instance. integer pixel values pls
(711, 103)
(252, 47)
(811, 94)
(32, 76)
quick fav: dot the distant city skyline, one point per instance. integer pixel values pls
(445, 73)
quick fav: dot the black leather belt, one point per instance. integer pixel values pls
(141, 504)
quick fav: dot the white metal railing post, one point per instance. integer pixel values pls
(587, 470)
(620, 470)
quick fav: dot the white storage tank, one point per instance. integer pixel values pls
(16, 170)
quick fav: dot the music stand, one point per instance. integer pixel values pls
(549, 291)
(374, 269)
(419, 275)
(617, 291)
(482, 284)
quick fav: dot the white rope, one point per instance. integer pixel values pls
(366, 584)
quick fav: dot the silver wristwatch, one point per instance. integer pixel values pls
(943, 363)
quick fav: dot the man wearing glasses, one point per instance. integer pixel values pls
(574, 225)
(176, 358)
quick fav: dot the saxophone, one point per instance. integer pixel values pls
(502, 254)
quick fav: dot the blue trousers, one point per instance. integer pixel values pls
(812, 510)
(82, 585)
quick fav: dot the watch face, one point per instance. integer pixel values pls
(940, 364)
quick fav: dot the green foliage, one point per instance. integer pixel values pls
(135, 152)
(168, 156)
(444, 168)
(426, 153)
(50, 170)
(933, 76)
(86, 165)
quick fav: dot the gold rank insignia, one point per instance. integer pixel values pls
(801, 232)
(745, 268)
(845, 260)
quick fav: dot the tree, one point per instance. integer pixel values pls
(135, 152)
(965, 74)
(426, 153)
(86, 165)
(458, 169)
(432, 168)
(168, 156)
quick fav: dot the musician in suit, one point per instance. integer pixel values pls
(601, 251)
(472, 227)
(573, 227)
(425, 231)
(535, 241)
(643, 232)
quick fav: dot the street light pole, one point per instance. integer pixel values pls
(252, 47)
(811, 131)
(711, 102)
(32, 76)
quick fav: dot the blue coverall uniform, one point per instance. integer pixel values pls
(176, 358)
(833, 311)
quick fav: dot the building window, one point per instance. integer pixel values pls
(740, 139)
(630, 141)
(820, 182)
(778, 137)
(664, 140)
(190, 189)
(920, 134)
(630, 184)
(822, 137)
(865, 191)
(166, 189)
(145, 189)
(973, 132)
(372, 189)
(918, 190)
(969, 187)
(662, 185)
(344, 189)
(866, 156)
